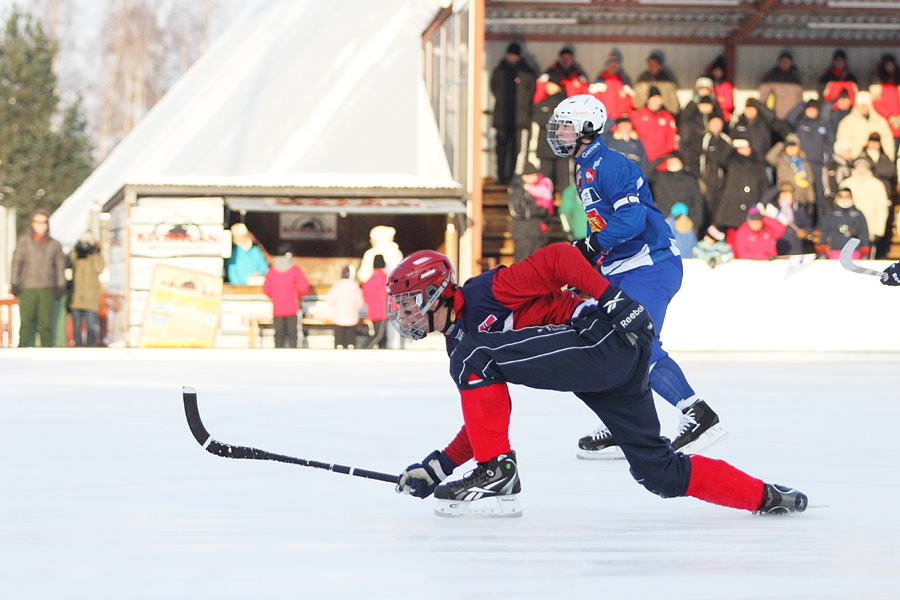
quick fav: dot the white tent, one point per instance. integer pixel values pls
(293, 88)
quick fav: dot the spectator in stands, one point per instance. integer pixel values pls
(860, 123)
(346, 300)
(871, 199)
(716, 149)
(38, 280)
(574, 80)
(613, 87)
(839, 168)
(675, 185)
(756, 238)
(530, 199)
(723, 90)
(556, 169)
(838, 225)
(693, 123)
(84, 304)
(781, 88)
(885, 170)
(745, 181)
(779, 204)
(285, 285)
(792, 168)
(835, 112)
(755, 126)
(684, 230)
(656, 127)
(375, 295)
(513, 84)
(622, 137)
(885, 93)
(836, 78)
(572, 215)
(247, 264)
(816, 141)
(657, 76)
(381, 240)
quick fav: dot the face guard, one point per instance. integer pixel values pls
(416, 287)
(575, 119)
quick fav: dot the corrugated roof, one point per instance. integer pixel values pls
(825, 22)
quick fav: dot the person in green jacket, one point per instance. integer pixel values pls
(571, 214)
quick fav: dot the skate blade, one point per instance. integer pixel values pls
(707, 439)
(609, 453)
(495, 506)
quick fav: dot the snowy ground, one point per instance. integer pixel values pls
(105, 494)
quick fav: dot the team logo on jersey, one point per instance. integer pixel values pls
(589, 175)
(486, 324)
(597, 222)
(578, 179)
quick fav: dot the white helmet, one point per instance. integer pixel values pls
(573, 120)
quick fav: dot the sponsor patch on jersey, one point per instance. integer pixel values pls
(486, 324)
(589, 175)
(597, 222)
(578, 179)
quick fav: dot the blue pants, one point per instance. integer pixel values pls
(604, 370)
(92, 327)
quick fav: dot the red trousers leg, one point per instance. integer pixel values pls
(486, 412)
(718, 482)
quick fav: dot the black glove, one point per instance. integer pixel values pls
(891, 275)
(16, 289)
(629, 318)
(421, 478)
(588, 249)
(59, 292)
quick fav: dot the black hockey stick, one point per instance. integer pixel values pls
(228, 451)
(847, 260)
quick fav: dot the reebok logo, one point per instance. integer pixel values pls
(611, 305)
(634, 314)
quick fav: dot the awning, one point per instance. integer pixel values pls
(393, 206)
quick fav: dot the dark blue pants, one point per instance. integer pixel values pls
(604, 370)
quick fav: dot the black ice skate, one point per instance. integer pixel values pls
(780, 500)
(488, 491)
(699, 429)
(599, 445)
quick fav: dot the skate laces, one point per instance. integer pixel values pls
(688, 420)
(601, 433)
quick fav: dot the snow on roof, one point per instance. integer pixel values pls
(295, 89)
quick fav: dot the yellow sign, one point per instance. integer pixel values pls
(182, 309)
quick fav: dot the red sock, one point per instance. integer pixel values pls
(486, 412)
(460, 449)
(718, 482)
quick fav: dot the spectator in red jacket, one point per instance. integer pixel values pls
(285, 284)
(722, 88)
(885, 91)
(613, 87)
(656, 127)
(574, 79)
(375, 294)
(756, 238)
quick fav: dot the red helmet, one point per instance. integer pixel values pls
(415, 288)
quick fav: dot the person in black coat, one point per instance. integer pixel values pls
(693, 123)
(842, 222)
(755, 125)
(676, 184)
(816, 137)
(513, 82)
(745, 182)
(716, 149)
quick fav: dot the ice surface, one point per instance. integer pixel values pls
(104, 493)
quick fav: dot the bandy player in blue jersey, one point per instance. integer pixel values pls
(517, 325)
(632, 243)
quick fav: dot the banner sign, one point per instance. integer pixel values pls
(307, 226)
(182, 309)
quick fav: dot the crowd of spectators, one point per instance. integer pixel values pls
(778, 170)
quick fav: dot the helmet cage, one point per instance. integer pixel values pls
(415, 289)
(574, 120)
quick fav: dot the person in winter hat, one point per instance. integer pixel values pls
(381, 238)
(84, 305)
(285, 285)
(346, 300)
(38, 280)
(375, 295)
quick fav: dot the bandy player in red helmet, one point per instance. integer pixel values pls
(518, 325)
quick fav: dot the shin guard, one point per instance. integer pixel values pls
(486, 412)
(718, 482)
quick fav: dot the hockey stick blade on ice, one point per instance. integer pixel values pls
(228, 451)
(847, 259)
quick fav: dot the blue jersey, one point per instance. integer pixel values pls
(623, 219)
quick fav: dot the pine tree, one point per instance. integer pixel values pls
(45, 152)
